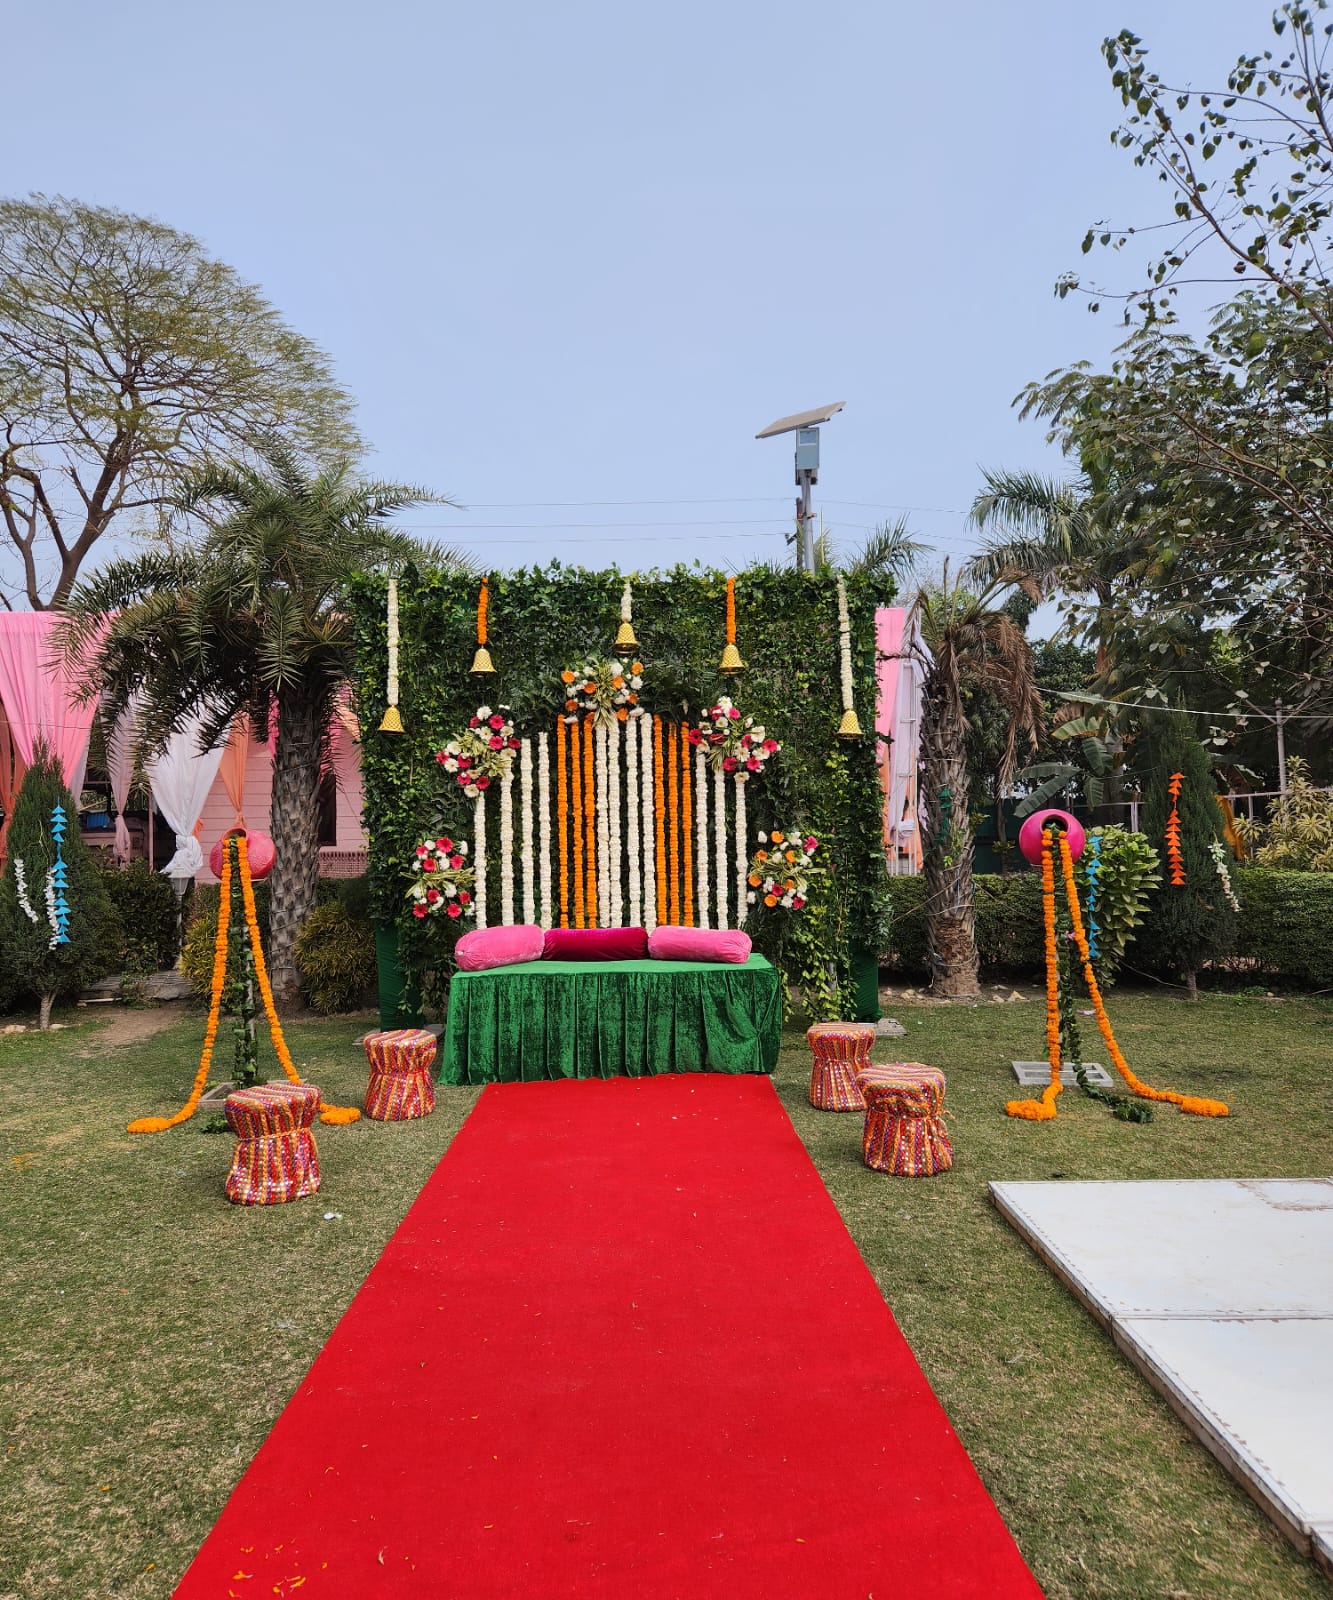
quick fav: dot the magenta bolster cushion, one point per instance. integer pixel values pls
(596, 944)
(499, 947)
(700, 944)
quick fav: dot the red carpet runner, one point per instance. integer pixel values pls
(622, 1346)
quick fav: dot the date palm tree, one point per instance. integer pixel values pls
(964, 640)
(249, 618)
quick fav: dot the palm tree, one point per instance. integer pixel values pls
(1060, 536)
(249, 619)
(964, 640)
(890, 551)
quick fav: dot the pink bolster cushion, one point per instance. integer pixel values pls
(700, 944)
(499, 947)
(596, 944)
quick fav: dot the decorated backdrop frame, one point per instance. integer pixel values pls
(543, 619)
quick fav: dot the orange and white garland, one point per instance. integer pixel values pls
(1174, 859)
(336, 1115)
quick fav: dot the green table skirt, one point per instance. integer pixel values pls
(607, 1019)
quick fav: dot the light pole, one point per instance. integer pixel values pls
(805, 425)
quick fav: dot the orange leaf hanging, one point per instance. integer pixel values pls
(1174, 859)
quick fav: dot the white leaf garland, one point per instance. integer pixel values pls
(601, 735)
(525, 807)
(649, 827)
(616, 887)
(391, 686)
(844, 646)
(702, 896)
(21, 885)
(742, 847)
(633, 833)
(544, 824)
(479, 855)
(720, 872)
(507, 847)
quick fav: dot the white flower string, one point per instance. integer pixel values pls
(544, 814)
(507, 846)
(720, 873)
(742, 847)
(392, 722)
(601, 737)
(52, 914)
(479, 859)
(616, 887)
(702, 896)
(1219, 855)
(649, 827)
(850, 726)
(633, 836)
(21, 885)
(525, 806)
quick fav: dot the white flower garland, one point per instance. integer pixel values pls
(844, 646)
(649, 827)
(1219, 855)
(544, 824)
(616, 887)
(21, 885)
(633, 837)
(742, 847)
(702, 895)
(626, 611)
(479, 858)
(601, 736)
(525, 806)
(391, 684)
(720, 845)
(507, 846)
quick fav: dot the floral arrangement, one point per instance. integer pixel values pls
(442, 881)
(778, 875)
(732, 742)
(482, 754)
(608, 691)
(1217, 850)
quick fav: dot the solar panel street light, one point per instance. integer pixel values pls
(805, 425)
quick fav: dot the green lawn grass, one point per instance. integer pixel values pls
(150, 1332)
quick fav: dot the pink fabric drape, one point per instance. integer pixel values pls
(231, 769)
(11, 776)
(40, 694)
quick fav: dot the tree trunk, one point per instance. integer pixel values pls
(44, 1014)
(295, 822)
(1192, 984)
(951, 938)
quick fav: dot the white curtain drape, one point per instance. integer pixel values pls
(181, 777)
(120, 769)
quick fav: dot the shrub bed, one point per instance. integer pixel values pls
(1285, 925)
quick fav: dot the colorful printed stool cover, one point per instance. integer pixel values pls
(400, 1085)
(904, 1131)
(840, 1048)
(275, 1157)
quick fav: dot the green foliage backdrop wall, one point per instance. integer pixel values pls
(544, 620)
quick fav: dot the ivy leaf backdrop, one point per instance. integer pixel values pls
(543, 620)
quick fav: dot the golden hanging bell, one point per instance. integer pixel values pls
(625, 639)
(482, 662)
(391, 722)
(849, 727)
(731, 660)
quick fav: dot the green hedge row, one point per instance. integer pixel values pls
(1284, 931)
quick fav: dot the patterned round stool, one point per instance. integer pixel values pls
(904, 1131)
(840, 1048)
(275, 1157)
(400, 1084)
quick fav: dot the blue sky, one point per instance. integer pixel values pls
(570, 259)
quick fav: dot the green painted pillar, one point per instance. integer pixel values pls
(400, 1007)
(865, 986)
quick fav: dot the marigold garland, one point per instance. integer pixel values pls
(659, 817)
(590, 827)
(686, 832)
(1191, 1104)
(1173, 856)
(673, 818)
(1043, 1110)
(483, 606)
(731, 611)
(575, 822)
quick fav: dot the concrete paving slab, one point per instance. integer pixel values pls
(1322, 1539)
(1258, 1394)
(1037, 1074)
(1190, 1248)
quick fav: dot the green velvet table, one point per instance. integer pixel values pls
(607, 1019)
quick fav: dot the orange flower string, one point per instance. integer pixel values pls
(562, 817)
(731, 611)
(686, 830)
(1044, 1109)
(160, 1124)
(673, 820)
(659, 809)
(1173, 856)
(1189, 1103)
(576, 822)
(590, 826)
(483, 606)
